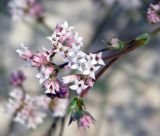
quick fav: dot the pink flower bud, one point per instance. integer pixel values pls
(17, 78)
(90, 82)
(24, 53)
(63, 92)
(39, 60)
(37, 10)
(85, 121)
(153, 14)
(48, 71)
(114, 42)
(30, 2)
(59, 28)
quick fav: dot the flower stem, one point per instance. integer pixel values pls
(130, 46)
(155, 32)
(41, 20)
(99, 74)
(53, 127)
(102, 50)
(11, 126)
(46, 27)
(115, 56)
(62, 126)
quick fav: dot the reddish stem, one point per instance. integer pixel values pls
(99, 74)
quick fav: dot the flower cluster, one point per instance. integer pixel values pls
(27, 108)
(153, 13)
(20, 8)
(66, 43)
(30, 110)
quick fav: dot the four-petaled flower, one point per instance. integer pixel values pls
(79, 86)
(90, 70)
(96, 58)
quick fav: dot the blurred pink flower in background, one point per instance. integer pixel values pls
(29, 110)
(17, 78)
(21, 8)
(153, 13)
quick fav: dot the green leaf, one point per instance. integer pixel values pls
(143, 39)
(72, 105)
(75, 104)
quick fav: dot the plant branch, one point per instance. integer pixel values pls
(155, 32)
(130, 46)
(115, 56)
(99, 74)
(62, 126)
(52, 128)
(41, 20)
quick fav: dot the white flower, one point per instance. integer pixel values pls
(20, 8)
(73, 52)
(75, 64)
(30, 116)
(79, 86)
(16, 8)
(20, 118)
(78, 60)
(61, 50)
(79, 40)
(41, 77)
(90, 69)
(96, 58)
(42, 101)
(14, 102)
(67, 27)
(16, 94)
(12, 106)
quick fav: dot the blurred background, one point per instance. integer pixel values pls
(126, 99)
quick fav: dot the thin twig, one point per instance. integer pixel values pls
(62, 126)
(155, 32)
(52, 128)
(41, 20)
(99, 74)
(113, 57)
